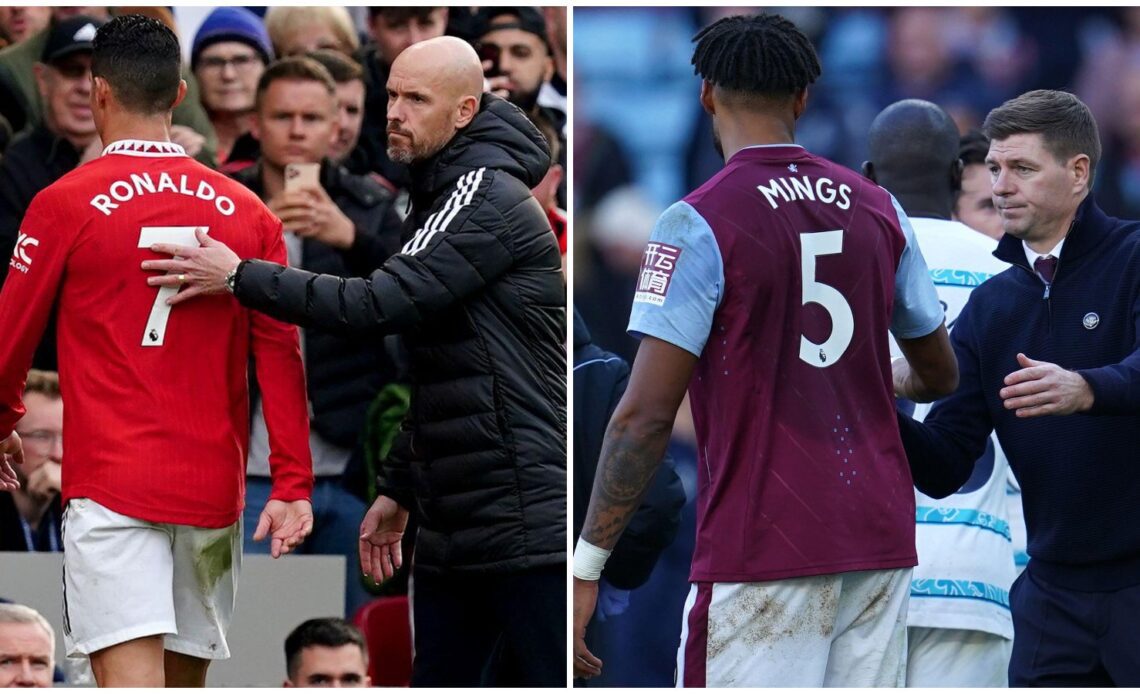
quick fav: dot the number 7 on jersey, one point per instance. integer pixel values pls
(155, 331)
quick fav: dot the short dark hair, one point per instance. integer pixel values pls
(340, 66)
(397, 15)
(140, 59)
(973, 148)
(1066, 125)
(46, 383)
(760, 55)
(295, 67)
(330, 632)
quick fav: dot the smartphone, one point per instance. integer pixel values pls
(299, 176)
(491, 52)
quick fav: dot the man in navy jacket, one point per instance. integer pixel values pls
(1056, 334)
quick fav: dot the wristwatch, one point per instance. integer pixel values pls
(231, 278)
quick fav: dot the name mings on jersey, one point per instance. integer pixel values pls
(796, 188)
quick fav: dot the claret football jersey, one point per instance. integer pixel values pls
(783, 274)
(156, 405)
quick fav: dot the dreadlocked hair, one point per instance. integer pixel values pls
(763, 54)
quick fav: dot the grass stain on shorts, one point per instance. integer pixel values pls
(215, 558)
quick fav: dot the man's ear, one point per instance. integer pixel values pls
(255, 125)
(39, 70)
(548, 72)
(336, 124)
(181, 94)
(101, 91)
(869, 170)
(800, 103)
(556, 174)
(1081, 172)
(707, 97)
(468, 107)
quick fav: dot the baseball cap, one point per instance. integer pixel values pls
(527, 19)
(73, 35)
(232, 24)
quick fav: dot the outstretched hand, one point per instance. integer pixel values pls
(11, 451)
(201, 269)
(287, 523)
(381, 532)
(1040, 388)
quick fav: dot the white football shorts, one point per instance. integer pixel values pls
(126, 578)
(834, 630)
(957, 658)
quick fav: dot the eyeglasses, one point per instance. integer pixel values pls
(241, 63)
(42, 437)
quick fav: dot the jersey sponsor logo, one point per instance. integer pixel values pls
(142, 184)
(797, 188)
(656, 273)
(20, 258)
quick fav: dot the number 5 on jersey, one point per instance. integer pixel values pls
(155, 331)
(827, 296)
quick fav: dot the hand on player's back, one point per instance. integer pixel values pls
(202, 270)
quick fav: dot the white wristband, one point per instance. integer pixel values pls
(589, 560)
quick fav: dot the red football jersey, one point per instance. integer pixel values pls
(156, 416)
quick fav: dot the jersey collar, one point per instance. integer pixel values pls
(144, 148)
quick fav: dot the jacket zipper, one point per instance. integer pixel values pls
(1046, 295)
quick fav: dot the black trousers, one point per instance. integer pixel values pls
(502, 630)
(1070, 638)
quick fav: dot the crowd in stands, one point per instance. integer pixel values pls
(260, 84)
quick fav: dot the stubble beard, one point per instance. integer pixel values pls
(401, 155)
(413, 152)
(717, 145)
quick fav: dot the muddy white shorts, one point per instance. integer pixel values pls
(836, 630)
(125, 579)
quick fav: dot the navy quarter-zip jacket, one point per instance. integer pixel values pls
(1079, 474)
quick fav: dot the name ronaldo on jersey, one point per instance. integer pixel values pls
(143, 184)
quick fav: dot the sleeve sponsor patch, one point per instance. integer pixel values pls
(656, 273)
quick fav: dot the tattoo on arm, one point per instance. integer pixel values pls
(629, 461)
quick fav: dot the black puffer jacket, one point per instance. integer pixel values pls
(478, 293)
(344, 372)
